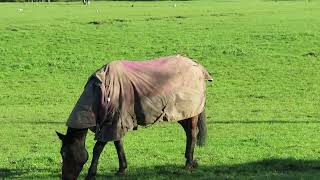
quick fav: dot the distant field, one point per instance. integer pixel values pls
(263, 108)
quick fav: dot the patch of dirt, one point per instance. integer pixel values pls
(165, 18)
(96, 22)
(226, 14)
(108, 21)
(153, 19)
(311, 54)
(180, 17)
(119, 20)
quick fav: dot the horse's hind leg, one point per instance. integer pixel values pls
(121, 157)
(191, 129)
(98, 147)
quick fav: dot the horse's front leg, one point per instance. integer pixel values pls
(98, 147)
(121, 157)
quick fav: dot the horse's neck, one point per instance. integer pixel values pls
(78, 134)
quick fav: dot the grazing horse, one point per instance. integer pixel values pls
(124, 94)
(86, 2)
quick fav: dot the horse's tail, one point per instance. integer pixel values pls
(202, 126)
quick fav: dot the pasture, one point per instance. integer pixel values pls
(263, 107)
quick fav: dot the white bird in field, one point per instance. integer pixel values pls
(175, 5)
(19, 9)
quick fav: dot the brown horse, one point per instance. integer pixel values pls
(140, 83)
(75, 155)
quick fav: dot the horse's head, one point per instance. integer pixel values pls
(73, 152)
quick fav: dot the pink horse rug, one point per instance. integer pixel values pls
(124, 94)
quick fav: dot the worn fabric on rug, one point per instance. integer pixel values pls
(124, 94)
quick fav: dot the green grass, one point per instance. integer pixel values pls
(263, 108)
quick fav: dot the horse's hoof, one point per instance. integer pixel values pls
(195, 164)
(192, 165)
(120, 173)
(88, 177)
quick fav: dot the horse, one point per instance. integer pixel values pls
(100, 106)
(86, 2)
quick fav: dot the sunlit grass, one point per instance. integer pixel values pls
(263, 107)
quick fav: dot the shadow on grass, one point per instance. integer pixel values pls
(264, 169)
(7, 173)
(34, 122)
(263, 122)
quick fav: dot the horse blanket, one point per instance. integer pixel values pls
(124, 94)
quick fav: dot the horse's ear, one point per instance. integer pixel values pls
(61, 136)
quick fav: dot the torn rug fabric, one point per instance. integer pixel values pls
(124, 94)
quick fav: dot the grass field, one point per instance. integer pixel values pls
(263, 108)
